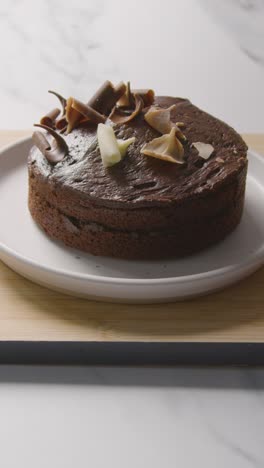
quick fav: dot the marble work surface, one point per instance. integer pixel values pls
(120, 417)
(113, 417)
(243, 19)
(173, 46)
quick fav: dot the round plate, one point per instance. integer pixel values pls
(27, 250)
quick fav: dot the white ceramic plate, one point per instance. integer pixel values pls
(27, 250)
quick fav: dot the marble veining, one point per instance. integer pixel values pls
(73, 47)
(51, 44)
(143, 417)
(243, 19)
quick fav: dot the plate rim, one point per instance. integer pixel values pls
(255, 261)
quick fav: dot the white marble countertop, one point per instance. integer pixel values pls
(173, 46)
(120, 417)
(98, 417)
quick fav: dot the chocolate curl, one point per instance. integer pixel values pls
(102, 103)
(147, 95)
(41, 142)
(61, 124)
(97, 100)
(54, 152)
(88, 112)
(50, 118)
(73, 117)
(62, 100)
(119, 116)
(127, 100)
(106, 97)
(119, 91)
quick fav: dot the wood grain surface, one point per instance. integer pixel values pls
(33, 313)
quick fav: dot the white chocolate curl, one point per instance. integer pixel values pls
(159, 119)
(167, 147)
(111, 149)
(124, 144)
(205, 150)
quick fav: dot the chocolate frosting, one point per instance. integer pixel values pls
(139, 180)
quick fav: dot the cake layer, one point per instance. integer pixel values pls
(157, 218)
(188, 237)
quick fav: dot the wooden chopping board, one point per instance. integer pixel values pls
(32, 314)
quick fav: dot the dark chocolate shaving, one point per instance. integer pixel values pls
(127, 100)
(88, 112)
(147, 95)
(61, 123)
(77, 112)
(120, 89)
(100, 105)
(97, 100)
(55, 151)
(106, 97)
(121, 116)
(41, 142)
(50, 118)
(62, 100)
(118, 101)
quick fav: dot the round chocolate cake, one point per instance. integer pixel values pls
(143, 207)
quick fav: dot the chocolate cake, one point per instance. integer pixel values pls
(141, 207)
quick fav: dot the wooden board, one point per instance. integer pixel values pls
(37, 324)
